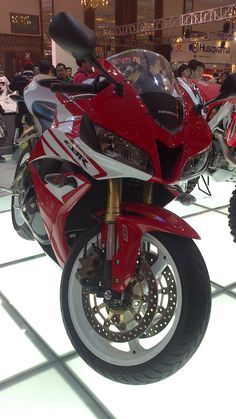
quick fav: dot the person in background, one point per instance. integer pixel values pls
(196, 69)
(151, 79)
(133, 71)
(52, 72)
(4, 87)
(69, 72)
(26, 60)
(84, 71)
(223, 76)
(183, 71)
(4, 91)
(44, 71)
(3, 132)
(61, 73)
(18, 83)
(36, 69)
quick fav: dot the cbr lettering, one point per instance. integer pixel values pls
(77, 154)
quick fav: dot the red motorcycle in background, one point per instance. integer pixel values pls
(135, 291)
(218, 104)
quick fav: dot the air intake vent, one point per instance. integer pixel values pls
(169, 158)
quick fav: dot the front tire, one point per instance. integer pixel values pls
(176, 330)
(232, 215)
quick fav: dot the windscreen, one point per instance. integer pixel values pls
(152, 77)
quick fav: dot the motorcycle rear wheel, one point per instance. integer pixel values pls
(176, 330)
(18, 221)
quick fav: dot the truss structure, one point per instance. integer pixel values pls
(188, 19)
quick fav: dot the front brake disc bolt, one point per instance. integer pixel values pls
(107, 295)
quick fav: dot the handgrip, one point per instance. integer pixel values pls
(72, 88)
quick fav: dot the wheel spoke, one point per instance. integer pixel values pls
(159, 266)
(100, 306)
(135, 346)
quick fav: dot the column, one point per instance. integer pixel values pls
(125, 13)
(89, 17)
(160, 47)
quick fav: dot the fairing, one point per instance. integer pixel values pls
(128, 117)
(151, 76)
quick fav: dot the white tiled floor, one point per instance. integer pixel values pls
(42, 376)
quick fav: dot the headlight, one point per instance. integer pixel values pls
(195, 164)
(115, 147)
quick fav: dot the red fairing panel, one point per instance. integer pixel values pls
(208, 90)
(130, 229)
(55, 211)
(128, 117)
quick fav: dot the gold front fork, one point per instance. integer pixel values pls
(148, 193)
(113, 200)
(113, 210)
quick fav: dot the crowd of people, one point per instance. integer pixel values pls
(32, 72)
(44, 69)
(195, 70)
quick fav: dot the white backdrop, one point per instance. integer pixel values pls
(59, 55)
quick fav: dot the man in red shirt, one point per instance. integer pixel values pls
(84, 71)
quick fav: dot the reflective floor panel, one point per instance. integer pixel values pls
(42, 376)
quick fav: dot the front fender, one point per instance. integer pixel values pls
(130, 229)
(161, 219)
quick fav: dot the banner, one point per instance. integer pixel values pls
(209, 52)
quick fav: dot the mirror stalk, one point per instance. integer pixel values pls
(119, 86)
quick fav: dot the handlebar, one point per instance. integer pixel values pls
(48, 82)
(72, 88)
(16, 98)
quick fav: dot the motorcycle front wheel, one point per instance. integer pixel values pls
(162, 320)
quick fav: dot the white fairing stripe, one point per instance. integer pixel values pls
(59, 193)
(80, 158)
(55, 146)
(112, 167)
(47, 150)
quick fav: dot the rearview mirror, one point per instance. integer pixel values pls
(72, 35)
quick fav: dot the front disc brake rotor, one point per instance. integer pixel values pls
(167, 299)
(130, 321)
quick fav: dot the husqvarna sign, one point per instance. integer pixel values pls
(211, 49)
(206, 51)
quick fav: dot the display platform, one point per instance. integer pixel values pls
(42, 376)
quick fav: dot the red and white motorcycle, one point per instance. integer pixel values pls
(219, 106)
(135, 291)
